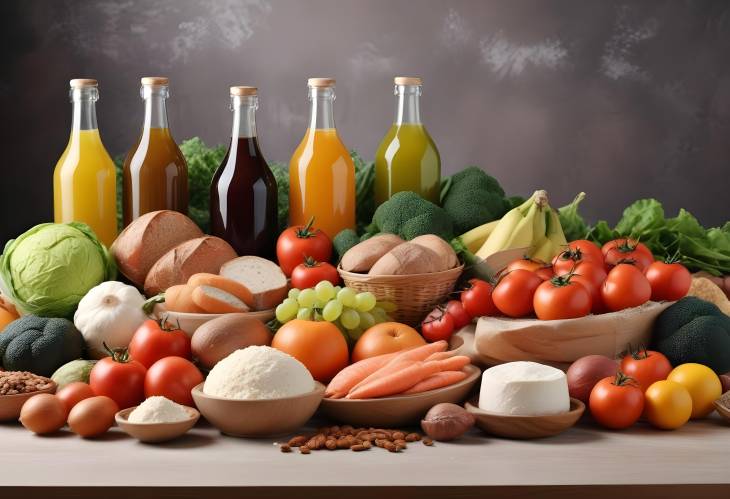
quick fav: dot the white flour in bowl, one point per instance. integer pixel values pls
(158, 410)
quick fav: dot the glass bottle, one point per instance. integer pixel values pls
(84, 181)
(243, 200)
(407, 158)
(321, 171)
(155, 171)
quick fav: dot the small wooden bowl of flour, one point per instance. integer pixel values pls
(157, 420)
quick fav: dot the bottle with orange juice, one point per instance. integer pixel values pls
(321, 171)
(155, 171)
(84, 181)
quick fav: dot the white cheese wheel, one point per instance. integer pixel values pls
(524, 389)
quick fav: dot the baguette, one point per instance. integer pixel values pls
(262, 277)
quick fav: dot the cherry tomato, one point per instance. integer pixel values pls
(438, 325)
(625, 287)
(616, 402)
(154, 340)
(311, 272)
(298, 242)
(591, 276)
(577, 252)
(627, 250)
(669, 281)
(477, 298)
(457, 312)
(561, 298)
(173, 377)
(646, 367)
(119, 378)
(514, 293)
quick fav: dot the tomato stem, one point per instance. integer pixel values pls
(118, 354)
(622, 380)
(306, 231)
(310, 262)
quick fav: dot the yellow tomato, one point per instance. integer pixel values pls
(667, 404)
(703, 385)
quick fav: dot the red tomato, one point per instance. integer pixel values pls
(591, 276)
(577, 252)
(627, 250)
(438, 325)
(645, 367)
(545, 273)
(457, 312)
(514, 293)
(525, 264)
(616, 402)
(561, 298)
(119, 378)
(173, 377)
(296, 243)
(625, 287)
(477, 298)
(669, 281)
(310, 272)
(154, 340)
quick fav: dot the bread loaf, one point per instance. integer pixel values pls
(262, 277)
(446, 253)
(362, 256)
(406, 259)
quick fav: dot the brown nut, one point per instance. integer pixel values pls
(445, 422)
(285, 448)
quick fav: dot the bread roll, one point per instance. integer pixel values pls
(362, 256)
(407, 259)
(446, 253)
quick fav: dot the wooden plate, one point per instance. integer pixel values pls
(155, 432)
(10, 405)
(526, 427)
(400, 410)
(189, 322)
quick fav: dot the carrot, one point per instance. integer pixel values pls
(454, 363)
(441, 355)
(438, 380)
(354, 373)
(396, 382)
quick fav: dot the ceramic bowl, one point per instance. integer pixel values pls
(189, 322)
(258, 418)
(526, 427)
(10, 405)
(399, 410)
(155, 432)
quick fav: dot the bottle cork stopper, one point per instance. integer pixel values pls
(155, 80)
(408, 80)
(83, 82)
(243, 90)
(321, 82)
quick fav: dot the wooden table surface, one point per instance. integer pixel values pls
(583, 462)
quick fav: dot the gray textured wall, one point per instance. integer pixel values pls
(620, 99)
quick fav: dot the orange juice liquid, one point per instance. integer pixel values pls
(84, 185)
(322, 183)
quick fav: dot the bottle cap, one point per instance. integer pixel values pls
(155, 80)
(321, 82)
(83, 82)
(241, 90)
(408, 80)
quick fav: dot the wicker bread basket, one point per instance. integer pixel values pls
(415, 295)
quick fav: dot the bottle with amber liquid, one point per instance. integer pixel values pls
(155, 171)
(243, 200)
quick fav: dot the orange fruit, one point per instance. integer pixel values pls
(318, 345)
(386, 337)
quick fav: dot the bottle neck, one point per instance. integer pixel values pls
(244, 115)
(84, 108)
(321, 114)
(155, 109)
(407, 109)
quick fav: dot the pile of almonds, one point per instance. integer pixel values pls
(355, 439)
(16, 382)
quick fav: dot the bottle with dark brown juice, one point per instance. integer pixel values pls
(243, 204)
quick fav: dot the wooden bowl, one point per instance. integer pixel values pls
(399, 410)
(10, 405)
(722, 410)
(526, 427)
(189, 322)
(258, 418)
(155, 432)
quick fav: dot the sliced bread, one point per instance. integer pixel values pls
(149, 237)
(262, 277)
(217, 301)
(204, 254)
(228, 285)
(179, 298)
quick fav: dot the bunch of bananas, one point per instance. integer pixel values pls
(532, 225)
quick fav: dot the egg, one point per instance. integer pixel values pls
(93, 416)
(43, 413)
(73, 393)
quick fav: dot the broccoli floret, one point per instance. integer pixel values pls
(473, 198)
(343, 241)
(409, 215)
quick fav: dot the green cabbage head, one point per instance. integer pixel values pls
(48, 269)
